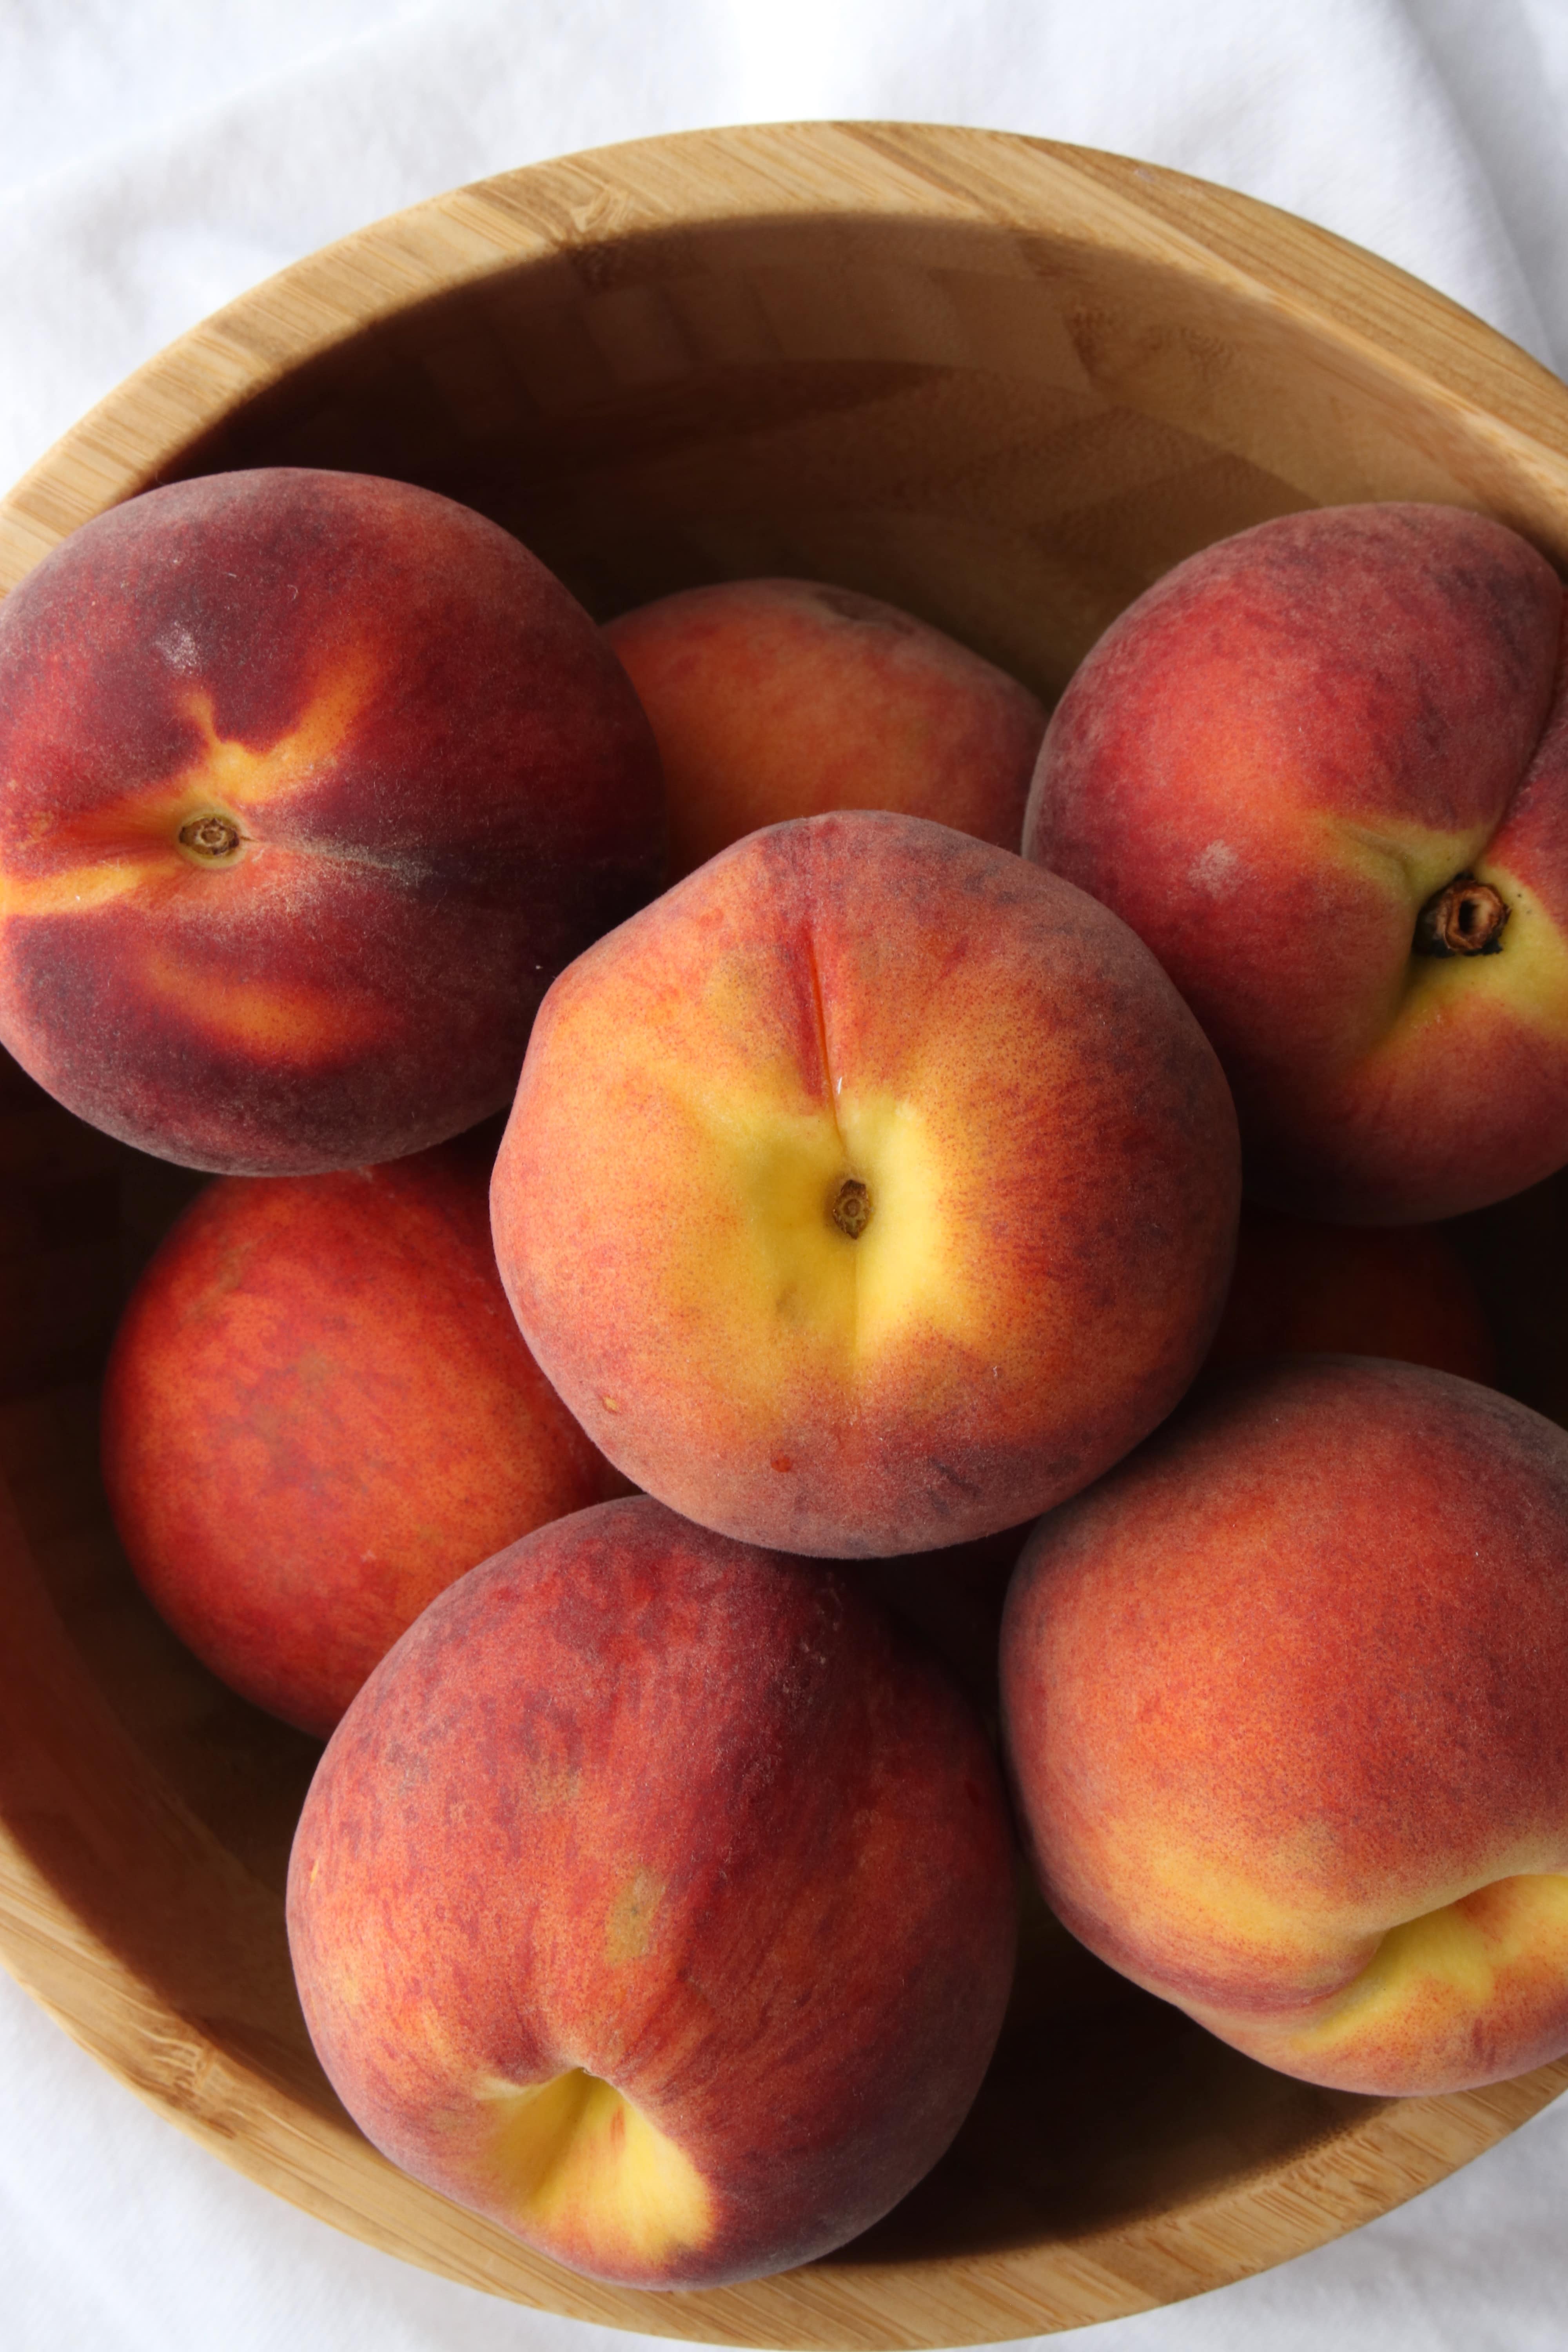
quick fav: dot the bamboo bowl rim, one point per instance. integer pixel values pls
(1378, 324)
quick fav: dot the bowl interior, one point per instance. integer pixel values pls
(1006, 387)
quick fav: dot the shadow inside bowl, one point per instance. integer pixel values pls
(969, 422)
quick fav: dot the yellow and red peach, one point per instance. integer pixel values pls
(655, 1899)
(319, 1412)
(869, 1192)
(1322, 769)
(314, 783)
(1301, 1287)
(777, 699)
(1284, 1705)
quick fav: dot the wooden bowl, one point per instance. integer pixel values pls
(1005, 384)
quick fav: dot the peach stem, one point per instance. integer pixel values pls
(851, 1209)
(210, 837)
(1465, 918)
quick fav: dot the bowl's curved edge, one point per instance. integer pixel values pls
(278, 2131)
(1376, 313)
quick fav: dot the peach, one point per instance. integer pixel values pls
(1354, 1290)
(314, 781)
(776, 699)
(869, 1192)
(1322, 769)
(655, 1900)
(319, 1412)
(1284, 1704)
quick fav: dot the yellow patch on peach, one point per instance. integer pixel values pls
(1452, 1963)
(1405, 860)
(1264, 1938)
(78, 890)
(907, 1266)
(586, 2171)
(1406, 865)
(250, 778)
(771, 1246)
(291, 1023)
(142, 831)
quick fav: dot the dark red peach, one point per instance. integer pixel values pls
(314, 783)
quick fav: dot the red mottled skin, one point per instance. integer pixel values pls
(1293, 1675)
(1051, 1165)
(440, 786)
(777, 699)
(318, 1411)
(691, 1817)
(1267, 766)
(1304, 1289)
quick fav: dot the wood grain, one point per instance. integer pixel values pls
(1004, 383)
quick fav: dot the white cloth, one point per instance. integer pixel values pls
(156, 157)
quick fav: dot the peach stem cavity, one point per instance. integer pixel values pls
(850, 1208)
(1465, 918)
(212, 838)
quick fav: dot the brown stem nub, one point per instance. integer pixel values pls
(212, 837)
(850, 1208)
(1465, 918)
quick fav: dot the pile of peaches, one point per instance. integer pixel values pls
(866, 1212)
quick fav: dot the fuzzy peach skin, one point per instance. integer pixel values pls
(1305, 1288)
(869, 1192)
(776, 699)
(654, 1900)
(1284, 1700)
(319, 1412)
(313, 783)
(1274, 766)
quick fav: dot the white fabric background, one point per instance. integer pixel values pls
(156, 157)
